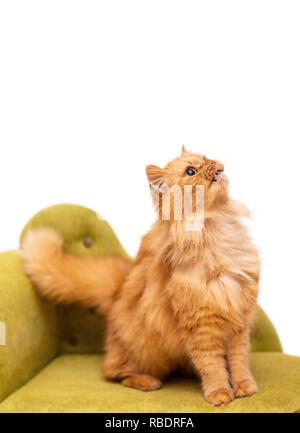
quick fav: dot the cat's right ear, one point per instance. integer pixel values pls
(156, 176)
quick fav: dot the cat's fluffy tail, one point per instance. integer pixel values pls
(91, 281)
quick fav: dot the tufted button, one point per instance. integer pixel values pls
(88, 241)
(73, 341)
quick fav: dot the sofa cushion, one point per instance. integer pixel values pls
(74, 383)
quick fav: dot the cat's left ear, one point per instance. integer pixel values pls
(157, 176)
(183, 150)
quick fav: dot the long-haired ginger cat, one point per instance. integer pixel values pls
(188, 300)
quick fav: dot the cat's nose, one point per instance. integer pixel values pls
(214, 165)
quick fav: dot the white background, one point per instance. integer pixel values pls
(92, 92)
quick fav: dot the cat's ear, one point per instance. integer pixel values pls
(157, 177)
(183, 150)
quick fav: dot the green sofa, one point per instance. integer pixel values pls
(52, 358)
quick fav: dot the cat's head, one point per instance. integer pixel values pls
(190, 169)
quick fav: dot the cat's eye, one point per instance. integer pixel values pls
(190, 171)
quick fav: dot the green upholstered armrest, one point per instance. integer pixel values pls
(264, 337)
(28, 326)
(75, 223)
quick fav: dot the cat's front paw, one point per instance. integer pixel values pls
(143, 382)
(221, 397)
(245, 388)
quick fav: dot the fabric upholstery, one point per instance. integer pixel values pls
(80, 330)
(75, 223)
(31, 336)
(264, 337)
(74, 383)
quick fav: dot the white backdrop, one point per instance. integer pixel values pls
(93, 91)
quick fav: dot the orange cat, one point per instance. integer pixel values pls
(187, 302)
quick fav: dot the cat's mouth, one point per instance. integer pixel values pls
(217, 176)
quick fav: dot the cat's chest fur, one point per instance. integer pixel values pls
(222, 243)
(218, 267)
